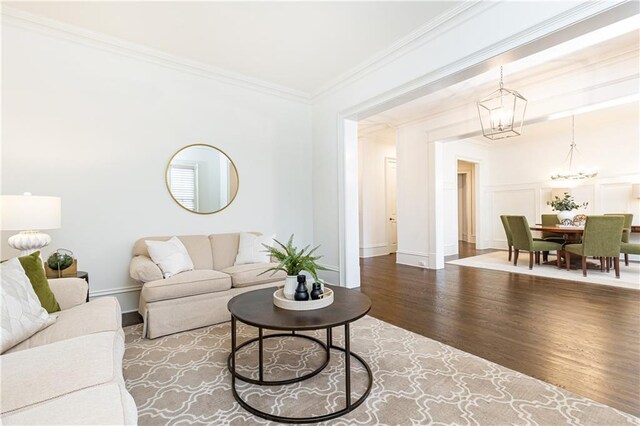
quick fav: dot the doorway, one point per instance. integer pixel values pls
(391, 205)
(466, 203)
(377, 179)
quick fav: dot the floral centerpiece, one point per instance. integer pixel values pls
(565, 207)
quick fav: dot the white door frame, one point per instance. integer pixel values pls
(567, 28)
(390, 247)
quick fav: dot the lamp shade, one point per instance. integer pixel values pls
(558, 192)
(28, 212)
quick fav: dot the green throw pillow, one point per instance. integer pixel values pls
(32, 266)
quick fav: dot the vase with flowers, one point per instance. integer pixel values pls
(566, 207)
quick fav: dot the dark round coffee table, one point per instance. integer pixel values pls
(256, 308)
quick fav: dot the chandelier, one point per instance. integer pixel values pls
(572, 174)
(502, 113)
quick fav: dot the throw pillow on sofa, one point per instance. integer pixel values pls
(32, 266)
(171, 256)
(251, 249)
(22, 314)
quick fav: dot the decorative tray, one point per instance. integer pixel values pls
(302, 305)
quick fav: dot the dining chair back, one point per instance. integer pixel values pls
(628, 220)
(602, 235)
(601, 238)
(507, 231)
(549, 220)
(520, 233)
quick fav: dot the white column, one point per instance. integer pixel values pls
(349, 218)
(435, 204)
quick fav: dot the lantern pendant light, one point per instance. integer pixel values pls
(502, 113)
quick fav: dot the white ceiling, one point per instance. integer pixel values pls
(541, 78)
(298, 45)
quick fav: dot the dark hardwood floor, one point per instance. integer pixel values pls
(581, 337)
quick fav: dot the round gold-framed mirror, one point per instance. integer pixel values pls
(202, 179)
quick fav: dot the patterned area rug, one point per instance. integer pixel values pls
(183, 379)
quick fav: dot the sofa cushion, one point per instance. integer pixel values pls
(108, 404)
(22, 315)
(247, 275)
(99, 315)
(49, 371)
(225, 249)
(35, 271)
(198, 247)
(171, 256)
(186, 284)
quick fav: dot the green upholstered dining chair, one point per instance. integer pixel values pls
(507, 231)
(628, 220)
(627, 249)
(551, 220)
(601, 238)
(522, 240)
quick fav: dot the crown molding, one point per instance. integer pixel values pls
(115, 45)
(485, 58)
(432, 29)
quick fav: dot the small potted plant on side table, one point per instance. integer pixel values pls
(293, 262)
(565, 207)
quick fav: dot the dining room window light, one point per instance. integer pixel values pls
(183, 180)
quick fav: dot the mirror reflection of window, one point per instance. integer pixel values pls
(202, 178)
(183, 178)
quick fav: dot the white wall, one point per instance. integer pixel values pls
(513, 176)
(373, 150)
(98, 128)
(519, 180)
(476, 37)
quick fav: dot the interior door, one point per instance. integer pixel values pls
(390, 195)
(462, 207)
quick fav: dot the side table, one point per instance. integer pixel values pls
(85, 276)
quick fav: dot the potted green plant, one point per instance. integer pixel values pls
(293, 261)
(565, 207)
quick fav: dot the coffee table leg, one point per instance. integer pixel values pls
(233, 349)
(329, 342)
(260, 357)
(347, 363)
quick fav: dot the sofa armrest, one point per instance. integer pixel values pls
(69, 292)
(142, 269)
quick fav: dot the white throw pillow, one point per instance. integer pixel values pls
(251, 249)
(22, 314)
(171, 256)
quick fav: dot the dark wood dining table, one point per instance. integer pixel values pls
(571, 235)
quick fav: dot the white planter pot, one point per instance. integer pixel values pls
(290, 284)
(565, 216)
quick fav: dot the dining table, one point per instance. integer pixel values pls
(571, 235)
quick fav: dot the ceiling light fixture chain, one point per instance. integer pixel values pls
(573, 149)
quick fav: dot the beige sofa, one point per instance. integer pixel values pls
(195, 298)
(70, 372)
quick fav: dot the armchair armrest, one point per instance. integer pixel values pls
(142, 269)
(69, 292)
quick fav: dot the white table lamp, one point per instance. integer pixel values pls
(29, 214)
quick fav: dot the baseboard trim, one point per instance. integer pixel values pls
(112, 291)
(374, 250)
(412, 258)
(330, 267)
